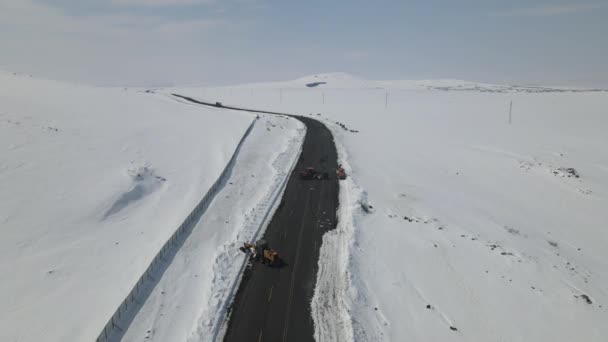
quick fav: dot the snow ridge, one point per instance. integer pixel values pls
(255, 225)
(126, 311)
(334, 294)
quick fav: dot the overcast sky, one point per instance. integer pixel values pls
(164, 42)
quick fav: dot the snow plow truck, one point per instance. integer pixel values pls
(340, 173)
(260, 252)
(310, 173)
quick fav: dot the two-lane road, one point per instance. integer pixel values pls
(274, 304)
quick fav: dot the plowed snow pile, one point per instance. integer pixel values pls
(92, 183)
(466, 225)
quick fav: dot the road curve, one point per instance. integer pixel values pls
(274, 304)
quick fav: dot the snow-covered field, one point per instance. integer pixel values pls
(92, 183)
(458, 220)
(457, 223)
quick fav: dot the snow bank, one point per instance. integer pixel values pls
(334, 294)
(93, 183)
(472, 229)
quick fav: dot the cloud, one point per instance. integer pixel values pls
(554, 9)
(48, 20)
(188, 26)
(161, 3)
(357, 55)
(108, 48)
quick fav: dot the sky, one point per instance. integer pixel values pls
(219, 42)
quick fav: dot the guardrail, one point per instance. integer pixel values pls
(126, 309)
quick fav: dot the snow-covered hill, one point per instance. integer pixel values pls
(459, 221)
(92, 183)
(341, 80)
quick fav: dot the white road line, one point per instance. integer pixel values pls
(293, 272)
(270, 294)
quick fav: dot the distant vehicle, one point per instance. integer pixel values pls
(260, 252)
(340, 173)
(218, 104)
(310, 173)
(315, 84)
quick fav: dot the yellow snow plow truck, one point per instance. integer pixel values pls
(260, 252)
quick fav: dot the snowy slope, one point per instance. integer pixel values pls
(92, 183)
(450, 207)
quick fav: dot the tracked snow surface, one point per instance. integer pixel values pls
(472, 212)
(92, 184)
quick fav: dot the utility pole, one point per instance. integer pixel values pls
(510, 111)
(323, 96)
(386, 100)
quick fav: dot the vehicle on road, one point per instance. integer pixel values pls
(260, 252)
(340, 173)
(310, 173)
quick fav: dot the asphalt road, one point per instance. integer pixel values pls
(273, 304)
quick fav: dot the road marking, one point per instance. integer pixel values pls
(270, 294)
(319, 207)
(293, 271)
(285, 229)
(260, 336)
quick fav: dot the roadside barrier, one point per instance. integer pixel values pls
(141, 289)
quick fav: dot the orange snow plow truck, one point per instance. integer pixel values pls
(260, 252)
